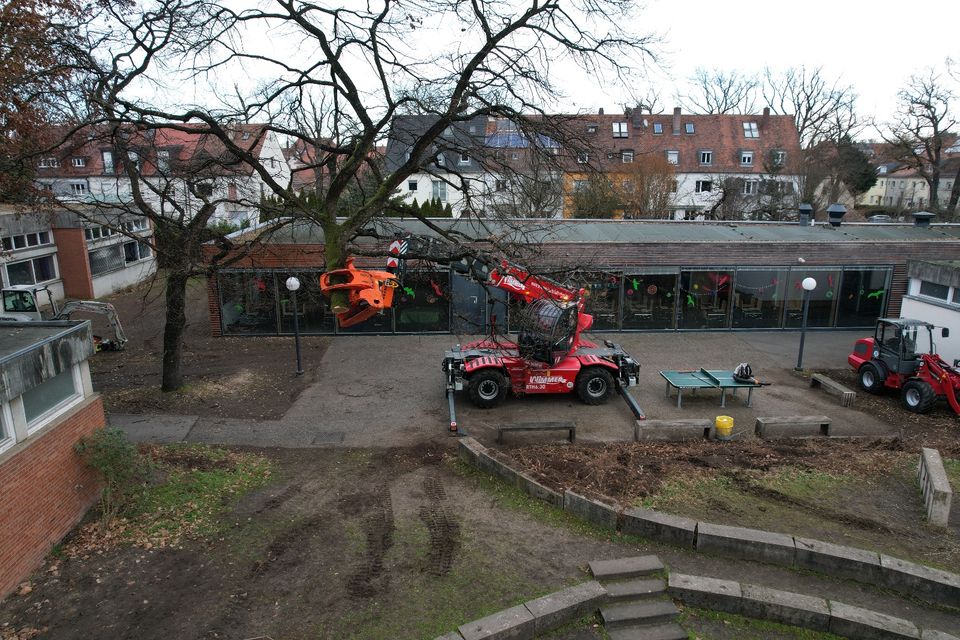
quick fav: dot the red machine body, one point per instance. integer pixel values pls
(900, 356)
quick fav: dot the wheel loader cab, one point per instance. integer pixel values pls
(899, 344)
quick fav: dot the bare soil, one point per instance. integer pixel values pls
(239, 377)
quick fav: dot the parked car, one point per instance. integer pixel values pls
(880, 217)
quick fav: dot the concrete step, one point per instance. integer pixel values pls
(620, 568)
(635, 589)
(668, 631)
(638, 613)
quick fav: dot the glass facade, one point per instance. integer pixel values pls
(704, 299)
(436, 300)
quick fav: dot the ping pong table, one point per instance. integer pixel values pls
(704, 379)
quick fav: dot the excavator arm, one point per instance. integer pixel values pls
(104, 308)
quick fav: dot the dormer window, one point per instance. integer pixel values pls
(688, 127)
(673, 157)
(49, 163)
(626, 157)
(706, 157)
(779, 158)
(592, 128)
(78, 162)
(583, 157)
(746, 158)
(619, 129)
(464, 158)
(657, 128)
(750, 130)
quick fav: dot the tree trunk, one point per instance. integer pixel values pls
(954, 194)
(334, 257)
(176, 322)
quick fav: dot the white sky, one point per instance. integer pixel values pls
(874, 46)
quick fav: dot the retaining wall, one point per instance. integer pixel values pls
(870, 567)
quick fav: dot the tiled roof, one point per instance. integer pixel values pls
(185, 148)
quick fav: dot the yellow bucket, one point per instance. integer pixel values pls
(724, 427)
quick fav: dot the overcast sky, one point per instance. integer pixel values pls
(874, 46)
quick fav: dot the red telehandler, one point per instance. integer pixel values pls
(901, 356)
(549, 356)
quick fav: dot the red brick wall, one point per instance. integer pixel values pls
(44, 491)
(74, 265)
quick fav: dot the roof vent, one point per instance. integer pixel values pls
(922, 218)
(806, 214)
(836, 212)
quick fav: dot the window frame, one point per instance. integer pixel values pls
(675, 155)
(412, 185)
(946, 296)
(439, 190)
(746, 158)
(658, 128)
(78, 162)
(706, 156)
(750, 187)
(78, 188)
(464, 158)
(778, 157)
(751, 130)
(583, 157)
(700, 184)
(620, 129)
(689, 128)
(626, 157)
(53, 412)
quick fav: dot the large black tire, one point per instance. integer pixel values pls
(871, 377)
(918, 396)
(594, 385)
(487, 388)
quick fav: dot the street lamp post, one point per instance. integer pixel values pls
(808, 284)
(292, 285)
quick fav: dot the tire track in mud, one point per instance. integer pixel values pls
(377, 525)
(442, 526)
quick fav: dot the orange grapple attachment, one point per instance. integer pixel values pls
(368, 292)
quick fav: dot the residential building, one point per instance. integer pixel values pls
(47, 404)
(933, 295)
(181, 169)
(741, 166)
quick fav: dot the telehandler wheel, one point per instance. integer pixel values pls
(594, 385)
(487, 388)
(918, 396)
(871, 378)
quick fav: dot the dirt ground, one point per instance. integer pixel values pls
(224, 377)
(398, 543)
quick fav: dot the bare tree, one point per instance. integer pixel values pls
(364, 62)
(646, 187)
(823, 109)
(720, 91)
(919, 131)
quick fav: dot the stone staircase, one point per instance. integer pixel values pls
(637, 605)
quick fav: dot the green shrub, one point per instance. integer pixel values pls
(115, 458)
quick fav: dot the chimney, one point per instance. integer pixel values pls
(600, 112)
(676, 121)
(765, 118)
(836, 212)
(922, 218)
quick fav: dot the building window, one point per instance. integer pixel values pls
(749, 187)
(440, 190)
(688, 127)
(78, 162)
(500, 185)
(934, 290)
(583, 157)
(779, 158)
(592, 128)
(44, 237)
(411, 185)
(42, 269)
(956, 295)
(134, 251)
(163, 160)
(673, 157)
(746, 158)
(464, 158)
(50, 398)
(619, 129)
(706, 157)
(107, 161)
(204, 189)
(657, 128)
(78, 188)
(515, 155)
(626, 156)
(49, 163)
(750, 130)
(704, 186)
(106, 259)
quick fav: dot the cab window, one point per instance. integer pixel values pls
(18, 301)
